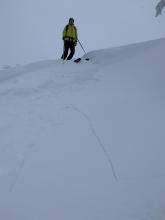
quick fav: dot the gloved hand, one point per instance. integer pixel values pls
(75, 43)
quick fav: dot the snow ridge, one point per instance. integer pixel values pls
(60, 124)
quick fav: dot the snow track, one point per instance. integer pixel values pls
(61, 123)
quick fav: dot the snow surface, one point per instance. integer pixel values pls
(85, 141)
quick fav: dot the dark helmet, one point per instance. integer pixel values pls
(71, 21)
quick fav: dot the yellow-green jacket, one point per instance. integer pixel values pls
(70, 33)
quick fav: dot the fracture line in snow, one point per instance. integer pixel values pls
(106, 153)
(21, 166)
(17, 174)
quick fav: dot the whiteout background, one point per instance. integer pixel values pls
(31, 30)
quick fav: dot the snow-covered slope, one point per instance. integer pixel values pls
(85, 141)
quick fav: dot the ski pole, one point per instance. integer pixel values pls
(83, 50)
(81, 46)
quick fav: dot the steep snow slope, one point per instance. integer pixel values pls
(85, 141)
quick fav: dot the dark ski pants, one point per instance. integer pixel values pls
(68, 46)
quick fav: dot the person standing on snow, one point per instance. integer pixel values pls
(70, 38)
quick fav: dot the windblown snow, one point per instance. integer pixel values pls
(85, 141)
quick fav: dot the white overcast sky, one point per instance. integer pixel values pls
(31, 29)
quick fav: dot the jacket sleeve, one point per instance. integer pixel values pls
(76, 34)
(64, 33)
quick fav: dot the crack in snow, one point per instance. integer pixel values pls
(93, 130)
(20, 168)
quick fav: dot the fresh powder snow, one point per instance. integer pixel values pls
(85, 141)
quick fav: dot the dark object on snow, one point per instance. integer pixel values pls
(79, 59)
(159, 7)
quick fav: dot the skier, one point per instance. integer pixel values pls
(70, 40)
